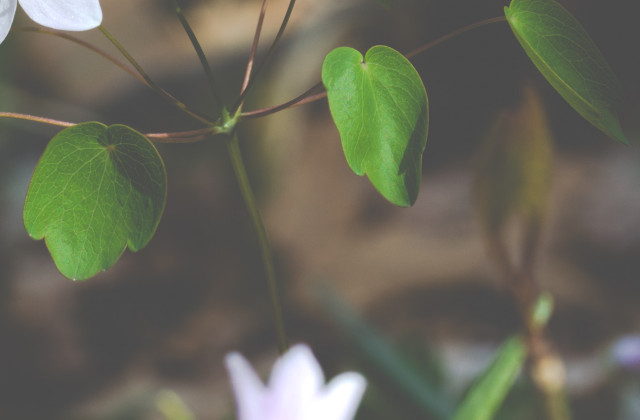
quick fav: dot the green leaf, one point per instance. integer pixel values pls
(380, 107)
(567, 57)
(513, 171)
(485, 397)
(95, 191)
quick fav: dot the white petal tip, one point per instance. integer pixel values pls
(65, 15)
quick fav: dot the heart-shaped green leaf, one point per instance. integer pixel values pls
(380, 107)
(567, 57)
(95, 191)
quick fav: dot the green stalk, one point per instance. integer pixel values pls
(240, 171)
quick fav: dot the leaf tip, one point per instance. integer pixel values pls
(622, 138)
(507, 13)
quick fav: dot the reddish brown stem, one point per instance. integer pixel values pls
(254, 46)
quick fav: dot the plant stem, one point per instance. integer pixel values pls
(240, 171)
(453, 34)
(149, 81)
(546, 368)
(215, 93)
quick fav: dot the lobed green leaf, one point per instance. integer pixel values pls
(380, 108)
(567, 57)
(95, 191)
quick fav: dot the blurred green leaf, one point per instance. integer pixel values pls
(567, 57)
(172, 407)
(396, 370)
(514, 165)
(522, 403)
(542, 310)
(487, 394)
(95, 191)
(380, 107)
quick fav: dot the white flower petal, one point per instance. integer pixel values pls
(296, 389)
(7, 12)
(295, 382)
(247, 387)
(66, 15)
(342, 396)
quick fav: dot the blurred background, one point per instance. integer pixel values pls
(356, 272)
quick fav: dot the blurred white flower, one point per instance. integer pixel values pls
(66, 15)
(296, 389)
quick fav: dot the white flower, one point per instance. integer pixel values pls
(66, 15)
(296, 389)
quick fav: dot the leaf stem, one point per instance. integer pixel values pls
(190, 136)
(453, 34)
(240, 171)
(84, 44)
(215, 92)
(168, 137)
(302, 99)
(254, 47)
(180, 105)
(44, 120)
(248, 82)
(306, 97)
